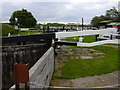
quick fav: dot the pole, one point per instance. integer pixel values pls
(82, 23)
(44, 28)
(48, 29)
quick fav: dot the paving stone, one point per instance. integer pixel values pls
(108, 79)
(86, 82)
(86, 57)
(62, 83)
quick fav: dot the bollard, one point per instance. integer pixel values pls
(96, 37)
(21, 75)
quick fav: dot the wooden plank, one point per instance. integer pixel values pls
(40, 61)
(41, 80)
(30, 38)
(43, 74)
(66, 43)
(37, 70)
(46, 62)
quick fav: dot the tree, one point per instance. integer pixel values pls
(98, 19)
(112, 14)
(95, 21)
(55, 24)
(25, 18)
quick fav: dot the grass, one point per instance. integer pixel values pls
(87, 39)
(27, 32)
(73, 39)
(6, 28)
(76, 68)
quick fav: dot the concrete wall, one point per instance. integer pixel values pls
(41, 73)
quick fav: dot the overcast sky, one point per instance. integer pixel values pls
(59, 10)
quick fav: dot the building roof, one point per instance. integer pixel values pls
(114, 23)
(105, 21)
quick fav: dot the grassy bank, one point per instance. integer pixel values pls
(6, 28)
(27, 32)
(76, 68)
(87, 39)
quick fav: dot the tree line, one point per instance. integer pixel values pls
(112, 14)
(25, 19)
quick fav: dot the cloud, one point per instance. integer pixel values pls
(91, 1)
(36, 1)
(67, 11)
(69, 7)
(72, 1)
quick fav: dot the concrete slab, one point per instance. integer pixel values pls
(108, 79)
(86, 82)
(90, 81)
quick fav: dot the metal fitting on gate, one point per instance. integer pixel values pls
(21, 76)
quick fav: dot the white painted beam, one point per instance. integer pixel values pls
(116, 41)
(84, 33)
